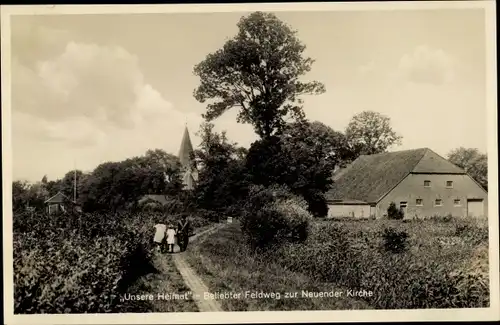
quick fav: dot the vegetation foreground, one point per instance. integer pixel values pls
(441, 264)
(88, 263)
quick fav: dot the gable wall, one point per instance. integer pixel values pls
(412, 188)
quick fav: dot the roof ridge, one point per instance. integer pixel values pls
(394, 152)
(425, 150)
(432, 152)
(53, 196)
(462, 169)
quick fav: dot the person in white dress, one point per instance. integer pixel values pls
(159, 238)
(171, 238)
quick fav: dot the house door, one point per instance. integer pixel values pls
(403, 207)
(475, 207)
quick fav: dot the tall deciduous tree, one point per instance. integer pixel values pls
(20, 195)
(222, 180)
(473, 162)
(116, 185)
(323, 143)
(258, 71)
(53, 186)
(67, 185)
(303, 158)
(370, 133)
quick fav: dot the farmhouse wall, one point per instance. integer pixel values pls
(412, 188)
(350, 210)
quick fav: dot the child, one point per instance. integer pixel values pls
(159, 236)
(171, 238)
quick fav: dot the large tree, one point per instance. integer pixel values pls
(473, 162)
(68, 182)
(222, 180)
(20, 195)
(26, 194)
(257, 71)
(303, 158)
(115, 185)
(323, 143)
(370, 133)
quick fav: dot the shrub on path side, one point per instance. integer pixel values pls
(272, 216)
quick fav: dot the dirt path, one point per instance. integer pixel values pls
(192, 280)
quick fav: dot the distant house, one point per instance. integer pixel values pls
(420, 182)
(153, 199)
(60, 203)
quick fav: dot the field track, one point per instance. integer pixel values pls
(192, 280)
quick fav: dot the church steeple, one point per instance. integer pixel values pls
(186, 150)
(189, 172)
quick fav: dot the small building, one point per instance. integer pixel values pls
(420, 182)
(60, 203)
(153, 200)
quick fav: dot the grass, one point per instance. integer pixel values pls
(226, 265)
(445, 266)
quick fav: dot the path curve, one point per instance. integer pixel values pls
(193, 281)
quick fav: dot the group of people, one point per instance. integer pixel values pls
(167, 236)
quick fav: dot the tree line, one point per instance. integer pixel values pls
(258, 72)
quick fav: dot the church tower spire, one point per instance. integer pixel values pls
(186, 150)
(188, 167)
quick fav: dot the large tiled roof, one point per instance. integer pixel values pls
(370, 177)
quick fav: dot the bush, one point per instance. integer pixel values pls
(296, 217)
(272, 216)
(394, 213)
(198, 221)
(395, 241)
(317, 204)
(209, 215)
(470, 231)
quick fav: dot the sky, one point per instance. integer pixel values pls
(87, 89)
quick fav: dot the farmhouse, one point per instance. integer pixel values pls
(420, 182)
(60, 203)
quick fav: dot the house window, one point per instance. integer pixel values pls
(427, 183)
(438, 202)
(419, 202)
(449, 184)
(457, 202)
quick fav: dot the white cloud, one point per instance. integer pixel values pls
(367, 68)
(90, 102)
(31, 43)
(427, 65)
